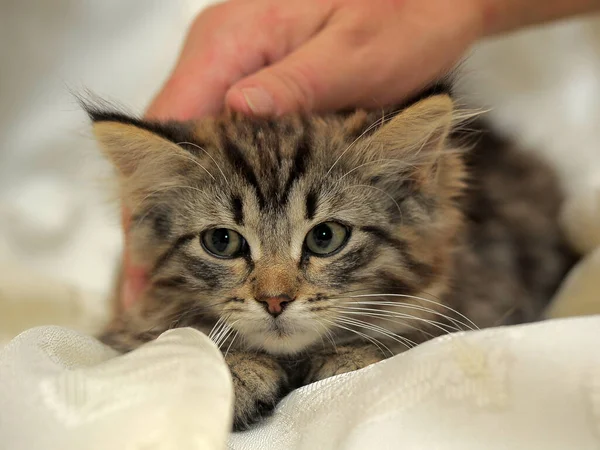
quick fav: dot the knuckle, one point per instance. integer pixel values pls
(302, 87)
(358, 35)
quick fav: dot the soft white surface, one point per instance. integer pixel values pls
(62, 390)
(527, 387)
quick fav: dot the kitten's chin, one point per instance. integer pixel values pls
(282, 344)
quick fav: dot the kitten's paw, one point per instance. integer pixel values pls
(346, 359)
(259, 382)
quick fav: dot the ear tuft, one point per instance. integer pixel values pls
(418, 131)
(130, 148)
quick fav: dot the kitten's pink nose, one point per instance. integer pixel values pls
(275, 304)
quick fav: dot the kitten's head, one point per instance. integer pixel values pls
(288, 230)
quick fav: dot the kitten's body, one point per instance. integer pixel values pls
(430, 228)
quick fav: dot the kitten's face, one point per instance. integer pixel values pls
(285, 229)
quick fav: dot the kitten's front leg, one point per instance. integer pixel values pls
(259, 382)
(341, 360)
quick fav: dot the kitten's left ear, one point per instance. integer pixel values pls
(419, 132)
(415, 144)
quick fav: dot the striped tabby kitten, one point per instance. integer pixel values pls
(313, 246)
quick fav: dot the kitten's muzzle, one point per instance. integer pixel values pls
(275, 304)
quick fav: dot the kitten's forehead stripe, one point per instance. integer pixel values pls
(237, 160)
(238, 210)
(298, 168)
(311, 204)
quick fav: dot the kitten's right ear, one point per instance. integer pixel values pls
(132, 148)
(138, 148)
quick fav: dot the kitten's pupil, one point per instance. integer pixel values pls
(322, 235)
(220, 239)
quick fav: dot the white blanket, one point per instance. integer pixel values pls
(525, 387)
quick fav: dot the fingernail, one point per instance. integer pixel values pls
(259, 101)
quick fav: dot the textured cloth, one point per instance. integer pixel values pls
(524, 387)
(62, 390)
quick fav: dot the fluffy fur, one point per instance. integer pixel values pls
(440, 237)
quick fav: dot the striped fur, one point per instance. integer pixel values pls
(431, 226)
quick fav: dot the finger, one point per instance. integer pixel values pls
(360, 63)
(326, 73)
(201, 77)
(226, 43)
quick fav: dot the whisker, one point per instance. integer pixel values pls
(385, 315)
(369, 128)
(209, 155)
(374, 341)
(328, 334)
(217, 330)
(222, 330)
(316, 330)
(217, 323)
(458, 325)
(422, 299)
(387, 333)
(194, 161)
(353, 291)
(225, 336)
(331, 338)
(378, 189)
(445, 328)
(232, 340)
(231, 343)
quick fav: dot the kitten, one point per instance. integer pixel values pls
(316, 245)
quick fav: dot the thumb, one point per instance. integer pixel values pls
(317, 76)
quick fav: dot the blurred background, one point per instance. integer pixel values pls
(59, 226)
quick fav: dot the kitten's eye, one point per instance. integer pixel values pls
(326, 238)
(223, 243)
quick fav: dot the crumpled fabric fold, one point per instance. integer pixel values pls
(524, 387)
(63, 390)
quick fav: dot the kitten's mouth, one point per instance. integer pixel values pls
(281, 337)
(278, 328)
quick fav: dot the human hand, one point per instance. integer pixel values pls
(268, 57)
